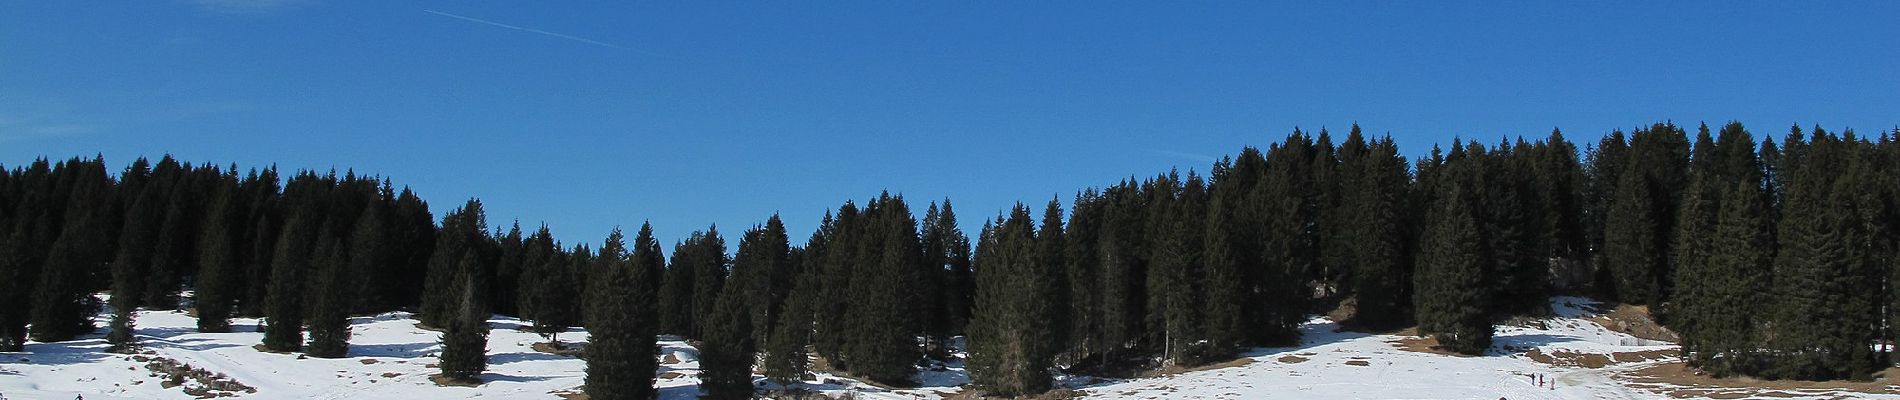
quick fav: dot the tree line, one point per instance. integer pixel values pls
(1170, 270)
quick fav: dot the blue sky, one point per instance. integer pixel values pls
(588, 115)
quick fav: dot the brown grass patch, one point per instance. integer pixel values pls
(1634, 321)
(569, 349)
(446, 381)
(1358, 363)
(1291, 359)
(1422, 344)
(672, 359)
(1172, 370)
(368, 361)
(1689, 382)
(1568, 358)
(671, 375)
(391, 374)
(419, 325)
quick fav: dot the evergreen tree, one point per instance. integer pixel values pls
(463, 231)
(1631, 242)
(725, 355)
(1377, 219)
(216, 287)
(621, 350)
(1450, 299)
(1727, 329)
(283, 308)
(332, 294)
(136, 238)
(785, 358)
(676, 294)
(547, 293)
(465, 340)
(706, 254)
(881, 346)
(1009, 346)
(63, 305)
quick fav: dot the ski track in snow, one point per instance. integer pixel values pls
(390, 344)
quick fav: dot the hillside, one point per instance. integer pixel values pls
(1576, 356)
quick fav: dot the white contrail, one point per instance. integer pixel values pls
(525, 29)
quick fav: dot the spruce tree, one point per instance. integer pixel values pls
(621, 350)
(1727, 333)
(1631, 242)
(1378, 219)
(706, 254)
(216, 286)
(676, 294)
(725, 353)
(1009, 346)
(136, 238)
(283, 308)
(465, 340)
(333, 293)
(63, 305)
(785, 358)
(1450, 299)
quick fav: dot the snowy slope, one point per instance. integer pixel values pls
(390, 358)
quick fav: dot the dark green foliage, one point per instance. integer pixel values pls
(1726, 333)
(1450, 300)
(333, 292)
(785, 359)
(216, 288)
(1632, 248)
(764, 274)
(136, 238)
(1009, 343)
(1378, 221)
(465, 340)
(881, 345)
(547, 283)
(621, 354)
(283, 307)
(63, 305)
(463, 231)
(725, 352)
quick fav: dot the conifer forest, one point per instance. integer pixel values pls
(1772, 253)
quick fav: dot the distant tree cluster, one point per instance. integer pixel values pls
(1770, 259)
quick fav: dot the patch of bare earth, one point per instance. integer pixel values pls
(1678, 380)
(972, 394)
(1290, 359)
(1421, 344)
(563, 349)
(441, 380)
(1634, 321)
(1172, 370)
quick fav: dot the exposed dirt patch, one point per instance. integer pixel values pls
(1635, 321)
(674, 359)
(1568, 358)
(391, 374)
(565, 349)
(446, 381)
(1421, 344)
(1565, 358)
(260, 347)
(671, 375)
(1291, 359)
(368, 361)
(1177, 370)
(419, 325)
(197, 382)
(1678, 380)
(973, 394)
(1358, 363)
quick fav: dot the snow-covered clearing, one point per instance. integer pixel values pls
(390, 359)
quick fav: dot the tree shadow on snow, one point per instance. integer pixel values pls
(392, 350)
(495, 377)
(510, 358)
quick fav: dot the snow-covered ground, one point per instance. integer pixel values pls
(390, 359)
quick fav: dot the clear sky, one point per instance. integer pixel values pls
(588, 115)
